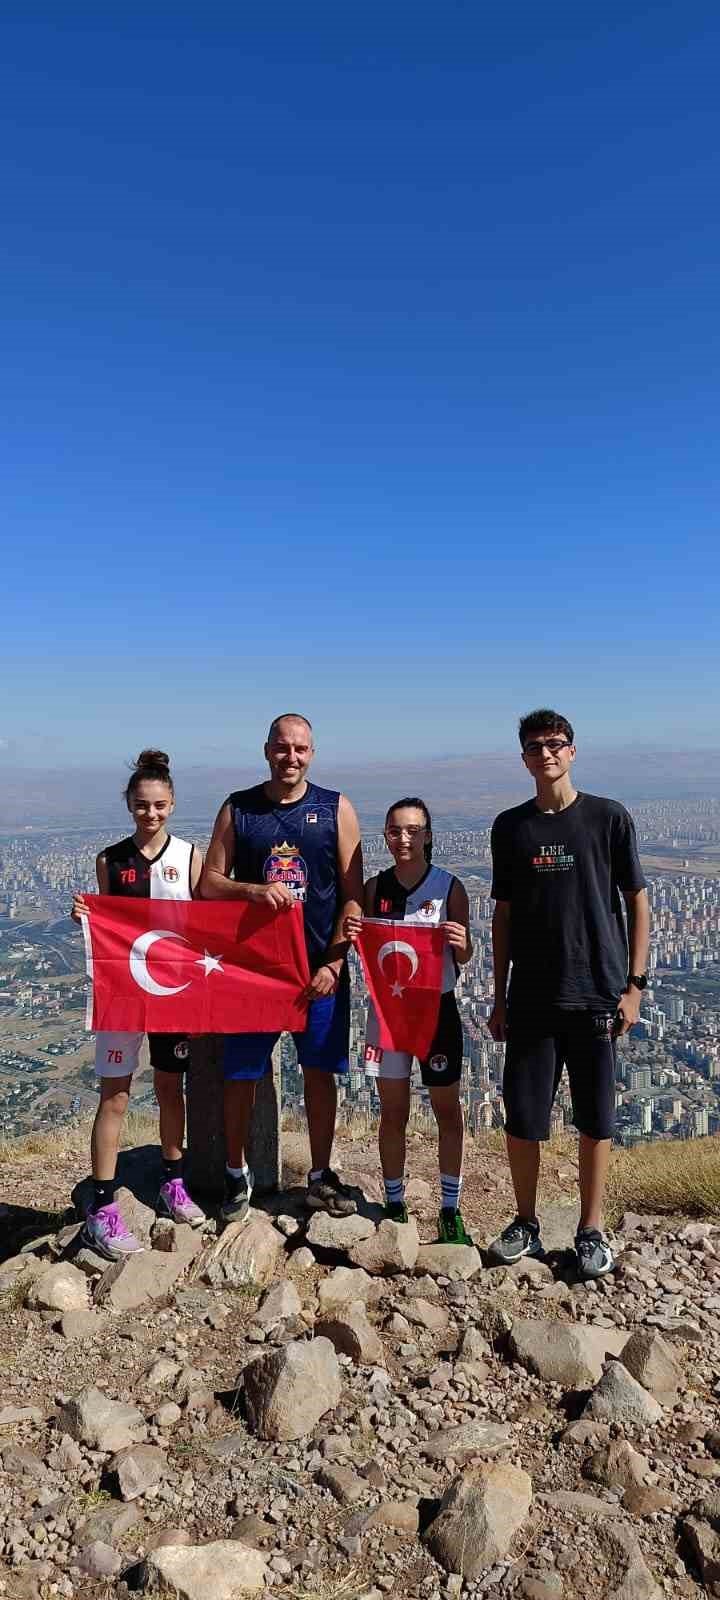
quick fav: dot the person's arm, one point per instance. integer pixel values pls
(497, 1021)
(353, 921)
(79, 907)
(457, 927)
(196, 866)
(350, 884)
(216, 882)
(638, 913)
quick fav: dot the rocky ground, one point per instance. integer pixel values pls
(344, 1410)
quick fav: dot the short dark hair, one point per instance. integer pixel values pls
(544, 721)
(419, 805)
(288, 716)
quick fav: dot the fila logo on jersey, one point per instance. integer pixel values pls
(170, 874)
(438, 1063)
(182, 1050)
(311, 816)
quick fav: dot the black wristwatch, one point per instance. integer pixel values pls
(638, 980)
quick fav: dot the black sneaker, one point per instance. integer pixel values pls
(520, 1238)
(395, 1211)
(236, 1205)
(593, 1252)
(327, 1193)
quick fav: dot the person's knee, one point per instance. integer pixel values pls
(168, 1088)
(114, 1105)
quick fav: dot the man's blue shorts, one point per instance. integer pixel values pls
(323, 1044)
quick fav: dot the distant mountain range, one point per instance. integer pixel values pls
(457, 788)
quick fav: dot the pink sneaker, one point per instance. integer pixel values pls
(106, 1232)
(174, 1201)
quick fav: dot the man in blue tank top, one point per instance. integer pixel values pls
(278, 842)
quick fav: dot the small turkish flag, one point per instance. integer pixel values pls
(194, 966)
(403, 970)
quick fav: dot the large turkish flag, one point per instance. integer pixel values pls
(194, 966)
(403, 970)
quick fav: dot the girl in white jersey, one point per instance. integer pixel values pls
(153, 864)
(415, 891)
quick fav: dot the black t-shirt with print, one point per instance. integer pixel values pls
(563, 873)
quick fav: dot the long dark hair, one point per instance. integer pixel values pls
(419, 805)
(152, 764)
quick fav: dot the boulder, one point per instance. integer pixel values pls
(626, 1576)
(478, 1516)
(82, 1324)
(60, 1288)
(617, 1464)
(279, 1302)
(571, 1355)
(352, 1334)
(245, 1253)
(344, 1285)
(99, 1560)
(138, 1279)
(651, 1361)
(101, 1423)
(700, 1533)
(423, 1314)
(344, 1484)
(620, 1398)
(393, 1247)
(224, 1569)
(468, 1439)
(288, 1390)
(338, 1233)
(453, 1261)
(138, 1468)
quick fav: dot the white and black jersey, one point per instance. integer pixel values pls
(166, 877)
(425, 905)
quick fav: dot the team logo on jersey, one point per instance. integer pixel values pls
(182, 1050)
(286, 865)
(170, 874)
(428, 908)
(438, 1063)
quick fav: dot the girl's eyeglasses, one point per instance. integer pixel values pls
(412, 832)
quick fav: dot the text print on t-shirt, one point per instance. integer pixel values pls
(286, 865)
(554, 858)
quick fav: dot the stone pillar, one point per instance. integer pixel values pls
(205, 1135)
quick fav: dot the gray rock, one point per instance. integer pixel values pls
(651, 1361)
(289, 1390)
(620, 1398)
(109, 1522)
(393, 1247)
(352, 1334)
(468, 1439)
(628, 1578)
(139, 1279)
(473, 1346)
(579, 1505)
(103, 1424)
(338, 1233)
(700, 1532)
(99, 1560)
(451, 1261)
(60, 1288)
(569, 1355)
(224, 1569)
(617, 1464)
(82, 1324)
(24, 1462)
(245, 1253)
(167, 1414)
(278, 1302)
(423, 1314)
(478, 1516)
(138, 1468)
(344, 1285)
(343, 1483)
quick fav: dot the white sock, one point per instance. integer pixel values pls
(237, 1172)
(315, 1176)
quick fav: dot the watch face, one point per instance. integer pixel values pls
(639, 981)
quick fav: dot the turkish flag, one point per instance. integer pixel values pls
(403, 970)
(194, 966)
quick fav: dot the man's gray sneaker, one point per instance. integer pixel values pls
(519, 1239)
(593, 1252)
(327, 1193)
(236, 1205)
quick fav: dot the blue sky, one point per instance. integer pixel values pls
(362, 359)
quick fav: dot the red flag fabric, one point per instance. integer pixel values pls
(403, 970)
(194, 966)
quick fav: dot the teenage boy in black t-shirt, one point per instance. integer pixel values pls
(562, 864)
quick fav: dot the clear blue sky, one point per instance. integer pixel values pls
(362, 358)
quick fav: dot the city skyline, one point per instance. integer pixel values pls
(362, 365)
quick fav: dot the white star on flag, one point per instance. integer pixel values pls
(398, 988)
(209, 963)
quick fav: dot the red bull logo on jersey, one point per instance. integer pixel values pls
(286, 865)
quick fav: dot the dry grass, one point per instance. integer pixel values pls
(678, 1176)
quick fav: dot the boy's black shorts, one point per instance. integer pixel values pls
(169, 1052)
(537, 1049)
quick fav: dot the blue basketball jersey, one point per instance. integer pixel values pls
(296, 845)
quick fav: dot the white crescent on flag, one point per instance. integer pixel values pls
(139, 969)
(403, 949)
